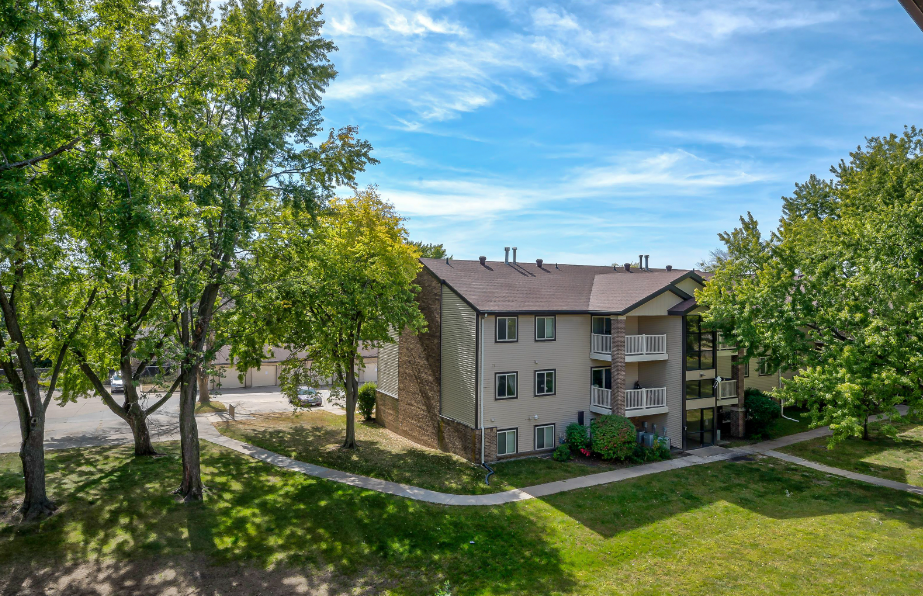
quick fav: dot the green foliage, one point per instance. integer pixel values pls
(366, 400)
(614, 436)
(561, 453)
(762, 410)
(429, 251)
(659, 452)
(835, 292)
(576, 437)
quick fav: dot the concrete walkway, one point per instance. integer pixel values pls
(706, 455)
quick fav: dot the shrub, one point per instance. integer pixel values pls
(561, 453)
(614, 436)
(642, 454)
(761, 411)
(575, 437)
(366, 400)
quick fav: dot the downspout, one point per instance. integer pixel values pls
(481, 399)
(781, 403)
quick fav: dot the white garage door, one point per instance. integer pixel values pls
(265, 376)
(229, 379)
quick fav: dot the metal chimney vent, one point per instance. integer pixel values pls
(628, 267)
(669, 267)
(647, 262)
(539, 263)
(506, 257)
(483, 261)
(514, 255)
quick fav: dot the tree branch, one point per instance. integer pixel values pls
(164, 399)
(63, 350)
(98, 385)
(40, 158)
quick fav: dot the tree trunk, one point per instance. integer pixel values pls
(865, 429)
(204, 396)
(350, 442)
(191, 488)
(36, 505)
(139, 430)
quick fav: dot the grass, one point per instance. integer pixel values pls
(315, 437)
(781, 427)
(211, 407)
(752, 527)
(899, 458)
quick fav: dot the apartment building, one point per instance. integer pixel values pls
(514, 352)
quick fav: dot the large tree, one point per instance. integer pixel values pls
(260, 155)
(835, 293)
(333, 284)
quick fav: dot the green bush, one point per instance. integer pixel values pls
(561, 453)
(614, 436)
(366, 400)
(642, 454)
(761, 411)
(576, 437)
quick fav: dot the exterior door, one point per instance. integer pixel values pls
(700, 428)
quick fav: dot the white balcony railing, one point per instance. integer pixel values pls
(727, 389)
(601, 397)
(601, 344)
(643, 345)
(639, 399)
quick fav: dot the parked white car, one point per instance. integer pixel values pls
(116, 384)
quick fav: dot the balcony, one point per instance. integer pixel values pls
(600, 400)
(640, 348)
(644, 402)
(727, 392)
(601, 347)
(638, 402)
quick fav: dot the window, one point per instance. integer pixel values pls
(506, 441)
(506, 385)
(602, 326)
(602, 377)
(700, 345)
(544, 382)
(506, 329)
(747, 368)
(763, 368)
(544, 437)
(700, 389)
(544, 328)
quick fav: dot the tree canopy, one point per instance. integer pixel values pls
(835, 292)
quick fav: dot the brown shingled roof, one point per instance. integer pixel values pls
(524, 287)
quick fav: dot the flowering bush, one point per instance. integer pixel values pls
(614, 436)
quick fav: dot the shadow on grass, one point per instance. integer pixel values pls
(768, 487)
(114, 507)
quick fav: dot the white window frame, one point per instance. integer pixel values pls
(497, 376)
(505, 432)
(746, 369)
(543, 428)
(506, 329)
(554, 327)
(554, 381)
(761, 368)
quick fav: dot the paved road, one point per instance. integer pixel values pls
(89, 422)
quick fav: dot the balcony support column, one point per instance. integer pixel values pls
(618, 365)
(738, 412)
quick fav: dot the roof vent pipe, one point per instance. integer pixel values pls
(483, 261)
(669, 267)
(647, 262)
(506, 255)
(640, 262)
(539, 263)
(514, 255)
(628, 267)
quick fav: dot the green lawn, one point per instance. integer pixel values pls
(758, 527)
(780, 427)
(211, 407)
(315, 437)
(899, 459)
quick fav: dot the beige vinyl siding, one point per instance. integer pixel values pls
(666, 373)
(387, 367)
(265, 376)
(755, 381)
(723, 363)
(657, 306)
(689, 286)
(568, 355)
(227, 377)
(459, 357)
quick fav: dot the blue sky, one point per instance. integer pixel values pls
(589, 132)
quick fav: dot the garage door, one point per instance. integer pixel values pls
(229, 379)
(265, 376)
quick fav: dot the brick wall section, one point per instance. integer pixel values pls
(459, 439)
(387, 411)
(738, 413)
(490, 444)
(618, 365)
(419, 377)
